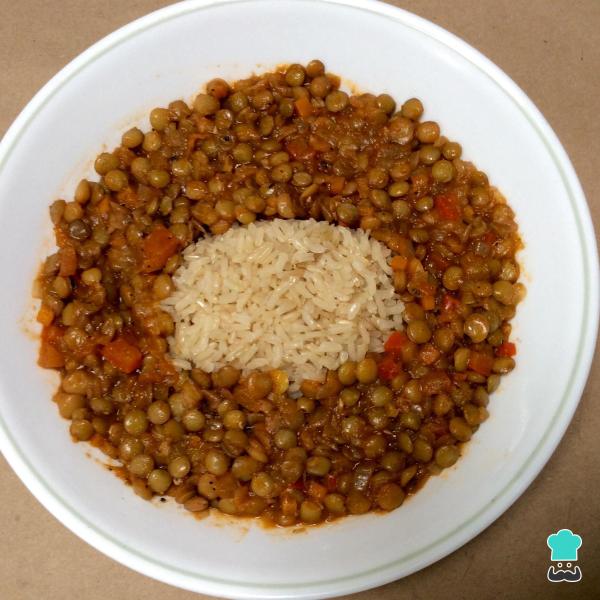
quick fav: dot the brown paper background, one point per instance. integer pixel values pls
(551, 48)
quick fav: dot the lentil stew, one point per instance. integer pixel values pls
(290, 145)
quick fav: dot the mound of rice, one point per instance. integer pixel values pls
(298, 295)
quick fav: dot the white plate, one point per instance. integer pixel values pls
(169, 54)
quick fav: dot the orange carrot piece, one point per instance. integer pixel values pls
(299, 149)
(506, 349)
(104, 206)
(399, 263)
(447, 207)
(428, 302)
(429, 354)
(316, 490)
(289, 504)
(158, 247)
(50, 357)
(415, 266)
(53, 334)
(128, 197)
(336, 184)
(122, 355)
(45, 315)
(62, 239)
(439, 262)
(319, 144)
(481, 363)
(303, 107)
(68, 261)
(396, 341)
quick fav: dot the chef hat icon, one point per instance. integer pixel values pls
(564, 545)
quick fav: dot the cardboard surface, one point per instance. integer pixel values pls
(551, 49)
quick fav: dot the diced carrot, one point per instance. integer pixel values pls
(104, 206)
(396, 341)
(429, 354)
(50, 357)
(439, 262)
(45, 315)
(122, 355)
(158, 247)
(364, 191)
(53, 334)
(316, 490)
(299, 149)
(437, 427)
(289, 504)
(399, 263)
(481, 363)
(336, 184)
(450, 303)
(506, 349)
(489, 237)
(68, 261)
(62, 238)
(435, 382)
(420, 281)
(428, 302)
(298, 485)
(118, 240)
(447, 207)
(318, 143)
(415, 266)
(128, 197)
(388, 368)
(331, 482)
(303, 106)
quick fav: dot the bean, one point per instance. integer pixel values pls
(263, 485)
(412, 109)
(446, 456)
(285, 438)
(205, 104)
(318, 465)
(141, 465)
(459, 429)
(207, 486)
(179, 467)
(132, 138)
(422, 450)
(381, 395)
(335, 504)
(216, 462)
(503, 365)
(428, 132)
(336, 101)
(390, 496)
(159, 481)
(347, 373)
(135, 422)
(366, 371)
(310, 511)
(418, 331)
(477, 327)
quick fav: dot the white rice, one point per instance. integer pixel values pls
(297, 295)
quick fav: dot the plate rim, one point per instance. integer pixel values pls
(460, 535)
